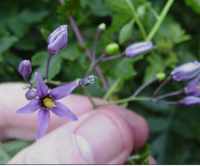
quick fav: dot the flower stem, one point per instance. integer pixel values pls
(139, 23)
(161, 86)
(132, 98)
(112, 89)
(142, 87)
(47, 66)
(160, 20)
(87, 51)
(176, 93)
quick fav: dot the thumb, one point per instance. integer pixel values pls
(99, 137)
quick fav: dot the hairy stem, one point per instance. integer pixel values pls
(176, 93)
(47, 66)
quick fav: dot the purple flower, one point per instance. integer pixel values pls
(138, 48)
(25, 68)
(30, 94)
(186, 71)
(193, 87)
(190, 100)
(57, 40)
(46, 101)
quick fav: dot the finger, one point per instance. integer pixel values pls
(24, 126)
(99, 137)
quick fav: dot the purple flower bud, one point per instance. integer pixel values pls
(186, 71)
(25, 68)
(193, 87)
(30, 94)
(138, 48)
(190, 100)
(57, 40)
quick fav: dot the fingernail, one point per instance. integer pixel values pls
(103, 136)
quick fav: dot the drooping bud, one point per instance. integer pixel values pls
(186, 71)
(25, 68)
(57, 40)
(190, 100)
(193, 87)
(89, 80)
(112, 48)
(161, 76)
(138, 48)
(30, 94)
(102, 26)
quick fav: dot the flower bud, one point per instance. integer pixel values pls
(161, 76)
(138, 48)
(30, 94)
(190, 100)
(25, 68)
(91, 79)
(186, 71)
(102, 27)
(193, 87)
(112, 48)
(57, 40)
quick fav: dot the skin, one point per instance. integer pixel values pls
(106, 135)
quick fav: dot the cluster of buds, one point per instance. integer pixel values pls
(190, 73)
(41, 97)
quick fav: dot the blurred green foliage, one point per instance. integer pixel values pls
(24, 28)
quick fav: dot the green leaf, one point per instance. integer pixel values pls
(126, 32)
(6, 43)
(194, 4)
(124, 69)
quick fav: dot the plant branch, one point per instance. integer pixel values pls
(87, 51)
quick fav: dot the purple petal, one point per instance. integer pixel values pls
(43, 122)
(64, 90)
(42, 88)
(190, 100)
(32, 106)
(63, 111)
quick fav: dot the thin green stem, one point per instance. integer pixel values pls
(112, 89)
(47, 66)
(160, 20)
(132, 98)
(142, 87)
(139, 23)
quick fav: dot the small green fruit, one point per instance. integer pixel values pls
(161, 76)
(112, 48)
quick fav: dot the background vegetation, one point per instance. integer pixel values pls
(25, 25)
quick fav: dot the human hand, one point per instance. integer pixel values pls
(106, 135)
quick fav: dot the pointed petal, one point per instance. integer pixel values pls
(43, 122)
(32, 106)
(64, 90)
(42, 88)
(63, 111)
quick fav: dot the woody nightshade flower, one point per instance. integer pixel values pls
(46, 100)
(190, 100)
(57, 40)
(25, 68)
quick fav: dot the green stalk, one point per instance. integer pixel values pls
(160, 20)
(139, 23)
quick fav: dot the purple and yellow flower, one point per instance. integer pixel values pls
(57, 40)
(190, 100)
(46, 101)
(138, 48)
(186, 71)
(25, 68)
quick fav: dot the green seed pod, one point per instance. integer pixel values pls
(161, 76)
(112, 48)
